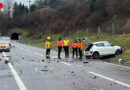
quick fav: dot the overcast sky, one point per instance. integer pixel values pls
(23, 1)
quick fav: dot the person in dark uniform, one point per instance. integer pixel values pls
(60, 45)
(75, 47)
(80, 47)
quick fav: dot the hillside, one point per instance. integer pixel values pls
(76, 16)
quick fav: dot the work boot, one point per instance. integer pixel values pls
(59, 57)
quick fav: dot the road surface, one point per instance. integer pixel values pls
(29, 70)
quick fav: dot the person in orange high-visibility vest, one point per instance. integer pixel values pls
(60, 45)
(66, 44)
(80, 47)
(75, 47)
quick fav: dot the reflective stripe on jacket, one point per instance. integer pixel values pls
(66, 43)
(59, 43)
(48, 45)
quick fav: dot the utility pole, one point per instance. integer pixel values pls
(29, 4)
(125, 4)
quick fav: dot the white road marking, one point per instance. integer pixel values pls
(117, 65)
(66, 63)
(110, 79)
(15, 74)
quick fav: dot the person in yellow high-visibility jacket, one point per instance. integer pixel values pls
(66, 44)
(48, 47)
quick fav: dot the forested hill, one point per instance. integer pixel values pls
(57, 16)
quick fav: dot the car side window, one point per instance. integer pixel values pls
(107, 44)
(100, 45)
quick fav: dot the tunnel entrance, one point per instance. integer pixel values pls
(15, 36)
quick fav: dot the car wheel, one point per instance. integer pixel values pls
(118, 52)
(96, 55)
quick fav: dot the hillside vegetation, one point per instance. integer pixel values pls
(73, 15)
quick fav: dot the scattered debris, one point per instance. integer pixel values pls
(21, 71)
(128, 51)
(73, 83)
(32, 60)
(121, 61)
(85, 62)
(36, 68)
(6, 62)
(94, 77)
(0, 59)
(43, 60)
(46, 66)
(115, 83)
(49, 62)
(45, 70)
(72, 72)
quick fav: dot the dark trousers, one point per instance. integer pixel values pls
(66, 48)
(75, 51)
(59, 51)
(47, 53)
(80, 53)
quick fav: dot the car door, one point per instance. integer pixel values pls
(108, 48)
(101, 48)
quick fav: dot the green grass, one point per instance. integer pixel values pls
(127, 25)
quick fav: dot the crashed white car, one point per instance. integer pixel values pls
(102, 48)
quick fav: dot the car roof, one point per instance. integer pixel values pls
(100, 42)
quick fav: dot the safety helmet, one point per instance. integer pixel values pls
(48, 38)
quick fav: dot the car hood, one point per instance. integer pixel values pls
(3, 44)
(117, 46)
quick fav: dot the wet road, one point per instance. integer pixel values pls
(29, 70)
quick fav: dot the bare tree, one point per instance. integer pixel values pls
(8, 5)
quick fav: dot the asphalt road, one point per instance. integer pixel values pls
(29, 70)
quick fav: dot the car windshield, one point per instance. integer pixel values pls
(3, 42)
(4, 39)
